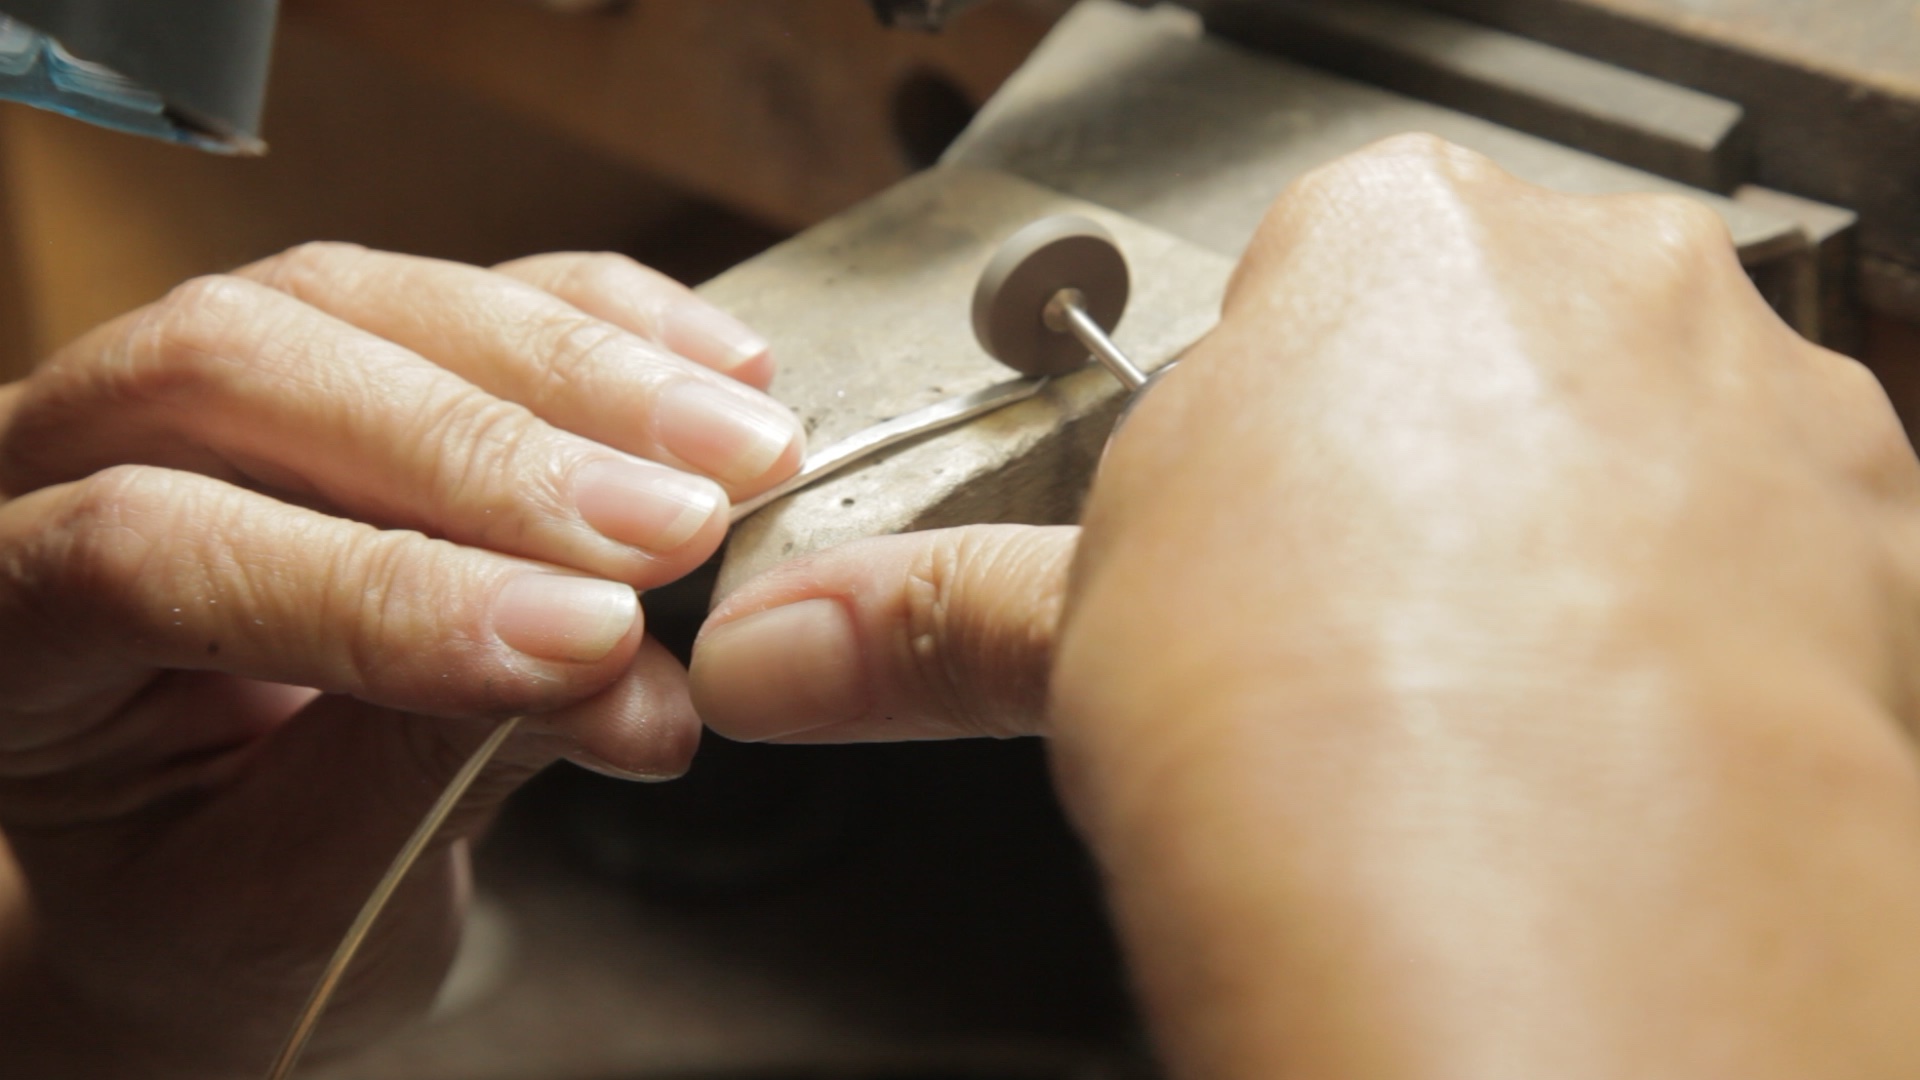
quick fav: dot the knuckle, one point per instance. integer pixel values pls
(972, 672)
(113, 503)
(402, 624)
(1684, 227)
(928, 627)
(373, 587)
(470, 440)
(1885, 456)
(1677, 247)
(311, 261)
(603, 272)
(207, 297)
(575, 347)
(106, 538)
(1413, 191)
(604, 277)
(184, 348)
(1384, 169)
(197, 317)
(1416, 150)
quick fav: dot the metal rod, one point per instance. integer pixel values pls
(1067, 311)
(376, 901)
(864, 444)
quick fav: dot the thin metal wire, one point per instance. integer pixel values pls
(867, 442)
(376, 902)
(864, 444)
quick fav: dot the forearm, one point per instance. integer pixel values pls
(1631, 873)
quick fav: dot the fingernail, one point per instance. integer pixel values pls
(734, 435)
(643, 504)
(780, 672)
(556, 617)
(702, 332)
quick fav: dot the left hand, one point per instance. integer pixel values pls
(427, 489)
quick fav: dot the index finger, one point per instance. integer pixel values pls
(641, 299)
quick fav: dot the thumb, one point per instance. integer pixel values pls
(932, 635)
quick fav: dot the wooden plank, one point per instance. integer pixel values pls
(870, 315)
(1601, 108)
(1831, 89)
(1824, 307)
(1141, 112)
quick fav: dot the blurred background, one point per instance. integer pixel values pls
(687, 134)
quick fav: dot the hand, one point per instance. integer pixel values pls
(1510, 674)
(426, 490)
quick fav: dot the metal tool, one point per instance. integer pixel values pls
(1045, 302)
(1051, 295)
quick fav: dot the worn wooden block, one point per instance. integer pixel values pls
(869, 313)
(1142, 112)
(1621, 115)
(1822, 304)
(1831, 89)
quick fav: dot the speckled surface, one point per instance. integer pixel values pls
(870, 314)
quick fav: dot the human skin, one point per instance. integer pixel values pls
(1490, 654)
(429, 491)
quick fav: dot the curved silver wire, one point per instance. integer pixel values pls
(376, 902)
(882, 436)
(936, 417)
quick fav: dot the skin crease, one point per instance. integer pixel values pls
(1508, 675)
(295, 474)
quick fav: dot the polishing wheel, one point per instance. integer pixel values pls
(1034, 266)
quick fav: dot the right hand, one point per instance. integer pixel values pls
(428, 492)
(1491, 653)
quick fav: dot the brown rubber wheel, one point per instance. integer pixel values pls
(1065, 251)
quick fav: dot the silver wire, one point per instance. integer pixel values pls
(882, 436)
(936, 417)
(376, 902)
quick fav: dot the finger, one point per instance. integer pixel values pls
(644, 301)
(240, 381)
(573, 370)
(643, 727)
(138, 568)
(925, 636)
